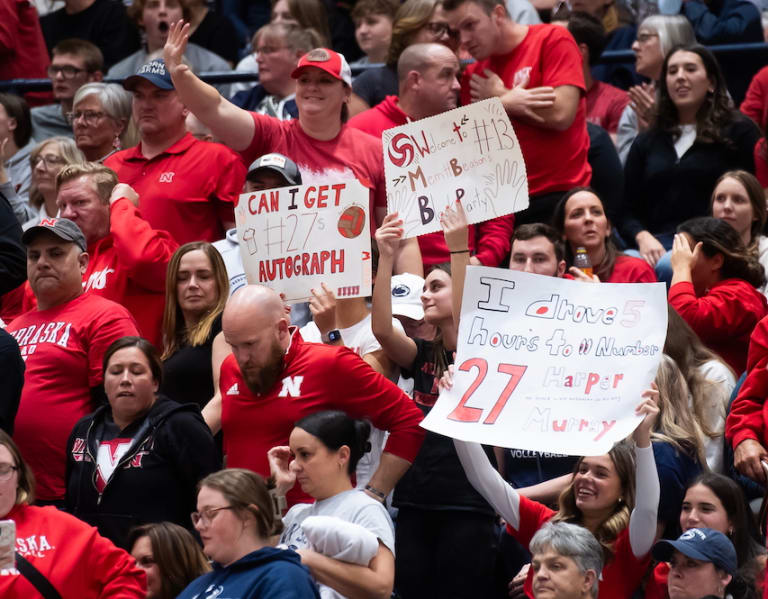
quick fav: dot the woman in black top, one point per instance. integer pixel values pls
(196, 291)
(672, 168)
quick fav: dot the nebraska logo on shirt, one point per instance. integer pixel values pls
(291, 386)
(108, 457)
(35, 545)
(47, 332)
(167, 177)
(233, 390)
(98, 279)
(522, 77)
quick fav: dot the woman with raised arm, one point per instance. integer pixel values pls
(319, 141)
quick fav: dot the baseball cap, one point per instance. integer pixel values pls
(329, 61)
(61, 227)
(702, 544)
(279, 164)
(406, 296)
(154, 71)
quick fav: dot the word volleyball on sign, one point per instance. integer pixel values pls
(469, 154)
(549, 364)
(292, 239)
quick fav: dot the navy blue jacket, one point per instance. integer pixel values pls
(726, 22)
(268, 573)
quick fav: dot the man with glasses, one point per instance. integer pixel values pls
(75, 62)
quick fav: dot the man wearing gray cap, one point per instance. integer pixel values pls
(62, 342)
(186, 186)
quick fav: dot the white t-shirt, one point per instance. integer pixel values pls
(361, 340)
(723, 382)
(686, 139)
(352, 506)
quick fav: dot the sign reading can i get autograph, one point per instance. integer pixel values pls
(469, 154)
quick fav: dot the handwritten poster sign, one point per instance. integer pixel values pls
(470, 153)
(294, 238)
(551, 365)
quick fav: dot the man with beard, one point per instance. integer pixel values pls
(273, 379)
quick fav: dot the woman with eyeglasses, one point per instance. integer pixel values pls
(47, 159)
(236, 521)
(101, 120)
(139, 458)
(68, 553)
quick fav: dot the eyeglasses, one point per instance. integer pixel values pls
(6, 470)
(644, 37)
(49, 161)
(66, 70)
(207, 516)
(441, 29)
(89, 116)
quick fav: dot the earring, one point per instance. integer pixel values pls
(116, 143)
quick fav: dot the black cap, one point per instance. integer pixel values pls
(61, 227)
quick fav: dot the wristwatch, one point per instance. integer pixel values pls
(331, 336)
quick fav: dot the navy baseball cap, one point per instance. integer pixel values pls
(278, 163)
(154, 71)
(63, 228)
(703, 544)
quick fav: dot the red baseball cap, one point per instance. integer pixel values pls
(329, 61)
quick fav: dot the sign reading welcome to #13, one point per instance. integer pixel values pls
(469, 154)
(549, 364)
(292, 239)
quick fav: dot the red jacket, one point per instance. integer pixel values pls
(746, 419)
(128, 267)
(723, 318)
(22, 48)
(72, 555)
(489, 241)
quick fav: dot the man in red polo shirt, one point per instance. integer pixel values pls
(273, 378)
(62, 342)
(536, 71)
(186, 187)
(128, 258)
(428, 85)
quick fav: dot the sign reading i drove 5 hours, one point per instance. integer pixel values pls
(469, 154)
(551, 365)
(292, 239)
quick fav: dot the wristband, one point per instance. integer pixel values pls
(374, 491)
(279, 503)
(460, 252)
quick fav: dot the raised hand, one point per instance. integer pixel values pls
(279, 467)
(175, 46)
(682, 257)
(389, 234)
(649, 408)
(322, 304)
(455, 228)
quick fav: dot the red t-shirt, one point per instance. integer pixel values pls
(128, 266)
(755, 103)
(628, 269)
(761, 162)
(72, 555)
(489, 241)
(189, 190)
(605, 103)
(315, 377)
(621, 576)
(723, 318)
(63, 349)
(352, 154)
(547, 56)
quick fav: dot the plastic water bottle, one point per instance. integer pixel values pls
(582, 261)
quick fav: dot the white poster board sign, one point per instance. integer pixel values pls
(469, 153)
(551, 365)
(292, 239)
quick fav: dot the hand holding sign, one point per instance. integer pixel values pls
(649, 410)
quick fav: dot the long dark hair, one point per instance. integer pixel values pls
(714, 114)
(440, 362)
(718, 237)
(335, 428)
(605, 268)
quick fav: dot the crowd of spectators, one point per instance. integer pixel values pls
(168, 430)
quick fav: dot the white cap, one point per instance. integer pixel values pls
(406, 296)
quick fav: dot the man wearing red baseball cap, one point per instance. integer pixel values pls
(319, 141)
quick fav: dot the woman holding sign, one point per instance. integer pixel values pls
(581, 221)
(715, 281)
(445, 537)
(601, 497)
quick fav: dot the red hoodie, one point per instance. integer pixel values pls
(72, 555)
(489, 241)
(723, 318)
(128, 267)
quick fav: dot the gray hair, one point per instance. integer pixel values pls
(573, 541)
(115, 101)
(673, 30)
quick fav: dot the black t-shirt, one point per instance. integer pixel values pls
(217, 34)
(188, 373)
(375, 84)
(436, 479)
(104, 23)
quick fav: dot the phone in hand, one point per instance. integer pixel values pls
(7, 544)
